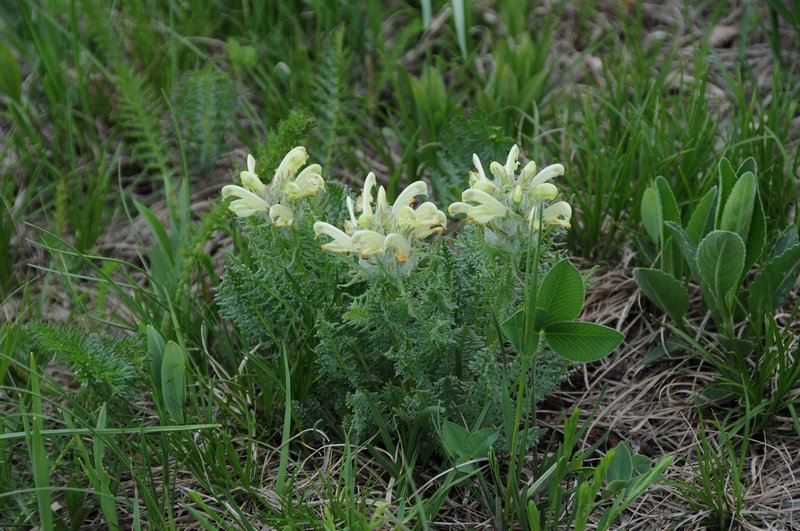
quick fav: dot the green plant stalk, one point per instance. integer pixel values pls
(287, 426)
(108, 500)
(531, 287)
(38, 455)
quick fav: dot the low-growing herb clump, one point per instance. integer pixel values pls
(384, 318)
(724, 239)
(388, 326)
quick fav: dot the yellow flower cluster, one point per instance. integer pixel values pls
(506, 199)
(508, 195)
(278, 198)
(387, 227)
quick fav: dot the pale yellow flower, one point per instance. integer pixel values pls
(277, 198)
(409, 195)
(249, 178)
(291, 163)
(401, 246)
(508, 199)
(341, 242)
(422, 222)
(307, 184)
(386, 227)
(558, 213)
(487, 209)
(247, 203)
(281, 215)
(369, 243)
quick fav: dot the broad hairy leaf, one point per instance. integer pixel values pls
(173, 380)
(478, 443)
(720, 260)
(727, 179)
(738, 210)
(641, 463)
(687, 247)
(702, 219)
(666, 201)
(756, 237)
(155, 348)
(582, 342)
(462, 446)
(767, 291)
(650, 218)
(749, 165)
(621, 467)
(454, 438)
(787, 239)
(666, 291)
(668, 212)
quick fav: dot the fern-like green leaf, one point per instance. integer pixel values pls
(204, 103)
(109, 369)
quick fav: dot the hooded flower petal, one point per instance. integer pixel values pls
(350, 225)
(493, 206)
(480, 175)
(422, 222)
(517, 195)
(429, 214)
(365, 219)
(249, 178)
(512, 162)
(554, 170)
(408, 196)
(556, 214)
(247, 203)
(499, 173)
(485, 186)
(481, 214)
(342, 243)
(291, 163)
(458, 208)
(382, 205)
(527, 172)
(307, 184)
(544, 191)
